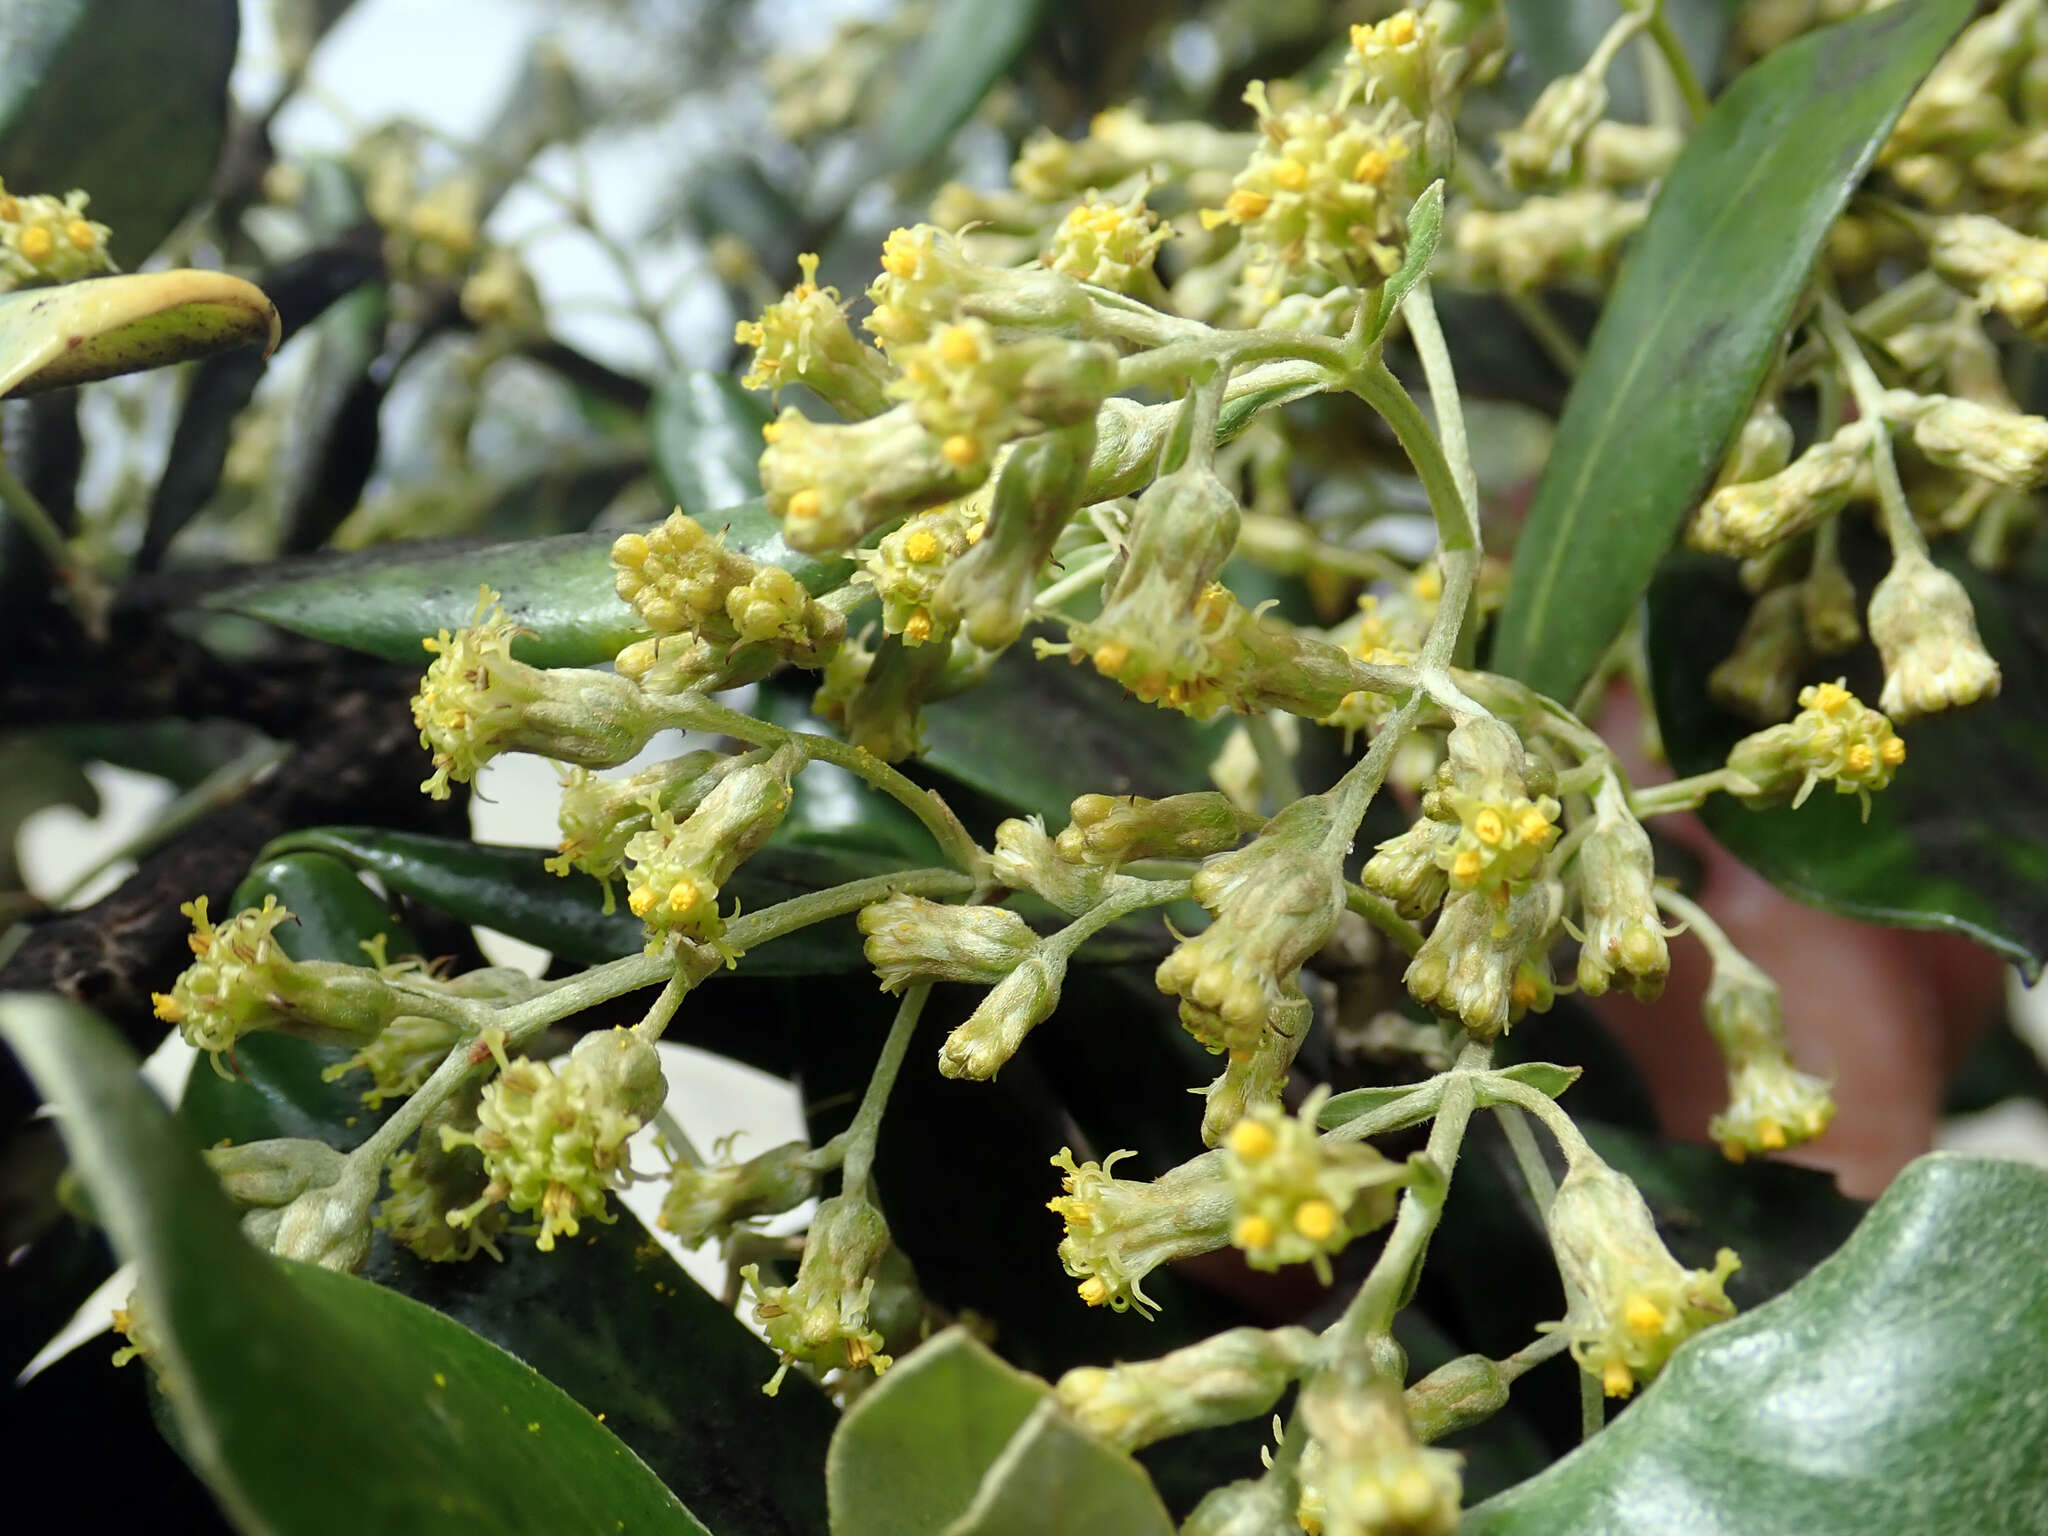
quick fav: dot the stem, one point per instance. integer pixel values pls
(1378, 911)
(1412, 1108)
(1378, 388)
(1528, 1156)
(1592, 1406)
(1123, 897)
(1353, 793)
(1680, 794)
(1075, 581)
(664, 1007)
(1555, 1120)
(37, 523)
(1893, 512)
(1276, 763)
(861, 1136)
(1548, 1347)
(1557, 343)
(1681, 67)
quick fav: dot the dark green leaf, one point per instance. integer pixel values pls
(908, 1456)
(560, 589)
(315, 1402)
(127, 99)
(1896, 1388)
(1956, 842)
(968, 46)
(1693, 322)
(707, 442)
(507, 889)
(1052, 1478)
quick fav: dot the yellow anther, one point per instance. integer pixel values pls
(684, 897)
(922, 547)
(1252, 1140)
(1111, 656)
(1525, 991)
(771, 431)
(1893, 752)
(918, 627)
(167, 1007)
(1830, 698)
(960, 450)
(641, 902)
(1533, 826)
(1244, 205)
(1617, 1380)
(1252, 1232)
(807, 503)
(1374, 166)
(1094, 1290)
(1291, 174)
(1770, 1135)
(1858, 759)
(1427, 584)
(1398, 30)
(1466, 866)
(959, 346)
(82, 235)
(10, 210)
(36, 243)
(1315, 1220)
(1488, 827)
(899, 254)
(1643, 1316)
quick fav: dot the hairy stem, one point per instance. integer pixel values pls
(858, 1150)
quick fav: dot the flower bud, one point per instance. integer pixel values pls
(1542, 148)
(674, 870)
(241, 980)
(1748, 517)
(1926, 631)
(1573, 236)
(476, 702)
(1274, 903)
(803, 338)
(555, 1141)
(1456, 1395)
(1110, 245)
(928, 281)
(1757, 677)
(1617, 878)
(1629, 154)
(269, 1174)
(1252, 1506)
(405, 1052)
(1120, 1230)
(1027, 860)
(1109, 830)
(1300, 1197)
(1632, 1303)
(711, 1201)
(877, 697)
(682, 580)
(1410, 869)
(990, 589)
(1827, 609)
(1762, 447)
(1487, 967)
(832, 485)
(912, 939)
(1990, 442)
(329, 1226)
(2004, 269)
(1256, 1077)
(1235, 1375)
(434, 1180)
(1020, 1002)
(1364, 1474)
(822, 1319)
(1835, 736)
(1121, 143)
(1771, 1105)
(599, 817)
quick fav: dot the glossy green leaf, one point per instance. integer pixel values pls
(51, 338)
(127, 99)
(967, 47)
(558, 589)
(1896, 1388)
(1052, 1478)
(1955, 842)
(910, 1453)
(707, 441)
(507, 889)
(314, 1402)
(1693, 322)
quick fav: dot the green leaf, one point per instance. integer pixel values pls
(1694, 321)
(1896, 1388)
(559, 589)
(314, 1402)
(707, 442)
(507, 889)
(910, 1453)
(1954, 842)
(968, 46)
(127, 99)
(74, 333)
(1052, 1478)
(1425, 228)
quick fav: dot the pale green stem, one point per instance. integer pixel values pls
(1893, 511)
(1548, 1347)
(1122, 896)
(1353, 793)
(1528, 1156)
(1276, 763)
(1539, 1104)
(1713, 938)
(858, 1150)
(23, 505)
(1412, 1108)
(1681, 67)
(664, 1007)
(1681, 794)
(1378, 911)
(1076, 581)
(1592, 1406)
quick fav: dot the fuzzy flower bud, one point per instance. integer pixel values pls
(1237, 1374)
(712, 1201)
(1771, 1104)
(1301, 1198)
(599, 817)
(831, 485)
(1835, 736)
(1629, 154)
(1761, 448)
(2004, 269)
(674, 869)
(1926, 631)
(1456, 1395)
(912, 939)
(877, 697)
(1255, 1078)
(1108, 244)
(1542, 148)
(476, 702)
(1486, 966)
(803, 338)
(329, 1226)
(1756, 679)
(927, 280)
(433, 1180)
(47, 239)
(1632, 1303)
(1120, 1230)
(555, 1141)
(1120, 144)
(990, 589)
(1251, 1506)
(1999, 445)
(681, 579)
(1545, 241)
(1617, 875)
(975, 392)
(1274, 903)
(1827, 609)
(1364, 1474)
(1750, 516)
(1020, 1002)
(1111, 830)
(268, 1174)
(823, 1318)
(1411, 869)
(241, 980)
(1027, 860)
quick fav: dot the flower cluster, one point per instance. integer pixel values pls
(1363, 1472)
(707, 1201)
(47, 239)
(1120, 1230)
(674, 869)
(683, 581)
(1835, 738)
(1299, 1197)
(823, 1318)
(1111, 245)
(1771, 1104)
(803, 338)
